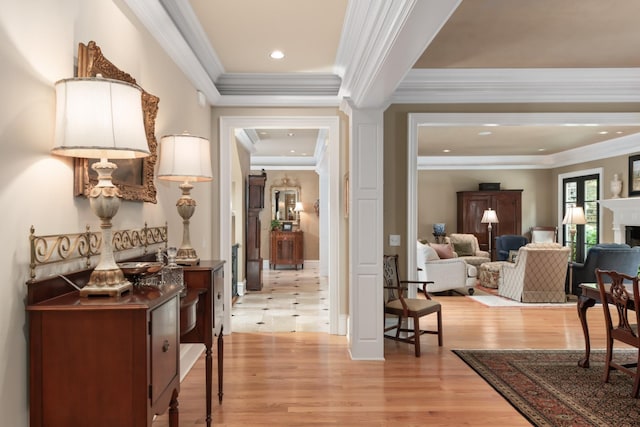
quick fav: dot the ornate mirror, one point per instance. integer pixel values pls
(284, 197)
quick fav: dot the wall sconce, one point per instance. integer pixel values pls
(102, 119)
(489, 217)
(185, 158)
(298, 208)
(574, 216)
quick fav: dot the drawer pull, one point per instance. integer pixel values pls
(165, 346)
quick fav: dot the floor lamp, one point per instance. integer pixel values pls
(574, 216)
(489, 217)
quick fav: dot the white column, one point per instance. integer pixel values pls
(366, 234)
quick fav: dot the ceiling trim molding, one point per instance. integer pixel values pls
(614, 147)
(381, 41)
(245, 139)
(519, 85)
(277, 101)
(309, 84)
(161, 26)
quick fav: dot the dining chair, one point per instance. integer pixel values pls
(396, 304)
(623, 299)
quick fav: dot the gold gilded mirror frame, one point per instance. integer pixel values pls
(134, 178)
(284, 196)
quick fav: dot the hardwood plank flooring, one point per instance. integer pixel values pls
(308, 379)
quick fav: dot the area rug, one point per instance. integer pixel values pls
(498, 301)
(550, 389)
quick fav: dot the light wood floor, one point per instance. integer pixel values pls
(300, 379)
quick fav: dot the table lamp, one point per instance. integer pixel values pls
(99, 118)
(185, 158)
(297, 210)
(489, 217)
(574, 216)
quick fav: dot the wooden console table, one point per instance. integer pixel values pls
(206, 280)
(287, 248)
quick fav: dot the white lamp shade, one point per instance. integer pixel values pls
(99, 118)
(184, 158)
(490, 217)
(574, 215)
(298, 207)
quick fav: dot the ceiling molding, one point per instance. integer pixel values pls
(161, 26)
(245, 139)
(283, 163)
(308, 84)
(519, 85)
(277, 101)
(381, 41)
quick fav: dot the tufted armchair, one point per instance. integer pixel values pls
(467, 248)
(538, 275)
(445, 273)
(507, 243)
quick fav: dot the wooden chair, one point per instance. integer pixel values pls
(621, 298)
(405, 308)
(544, 234)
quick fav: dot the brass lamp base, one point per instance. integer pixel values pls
(187, 256)
(110, 283)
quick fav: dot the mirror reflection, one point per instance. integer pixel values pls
(283, 202)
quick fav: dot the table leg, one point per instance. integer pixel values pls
(585, 303)
(220, 364)
(209, 369)
(174, 420)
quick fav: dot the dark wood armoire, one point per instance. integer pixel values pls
(471, 207)
(255, 204)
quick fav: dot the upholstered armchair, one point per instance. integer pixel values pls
(538, 275)
(619, 257)
(467, 248)
(445, 273)
(508, 243)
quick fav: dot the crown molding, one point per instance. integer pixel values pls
(308, 84)
(519, 85)
(283, 163)
(155, 18)
(277, 101)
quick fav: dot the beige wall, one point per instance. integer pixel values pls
(309, 224)
(437, 195)
(38, 43)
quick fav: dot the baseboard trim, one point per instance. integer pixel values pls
(189, 354)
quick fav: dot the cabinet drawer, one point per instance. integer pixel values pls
(165, 348)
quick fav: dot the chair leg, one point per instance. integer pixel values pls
(607, 359)
(439, 328)
(416, 334)
(636, 378)
(399, 326)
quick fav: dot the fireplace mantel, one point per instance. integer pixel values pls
(626, 211)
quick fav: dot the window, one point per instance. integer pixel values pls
(582, 191)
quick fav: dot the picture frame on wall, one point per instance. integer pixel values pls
(634, 176)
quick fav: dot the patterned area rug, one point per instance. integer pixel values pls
(550, 389)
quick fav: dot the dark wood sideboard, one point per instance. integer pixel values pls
(89, 360)
(104, 361)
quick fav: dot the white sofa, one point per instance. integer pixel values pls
(447, 274)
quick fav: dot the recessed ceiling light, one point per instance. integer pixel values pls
(619, 132)
(276, 54)
(490, 124)
(603, 132)
(292, 151)
(446, 151)
(485, 133)
(541, 149)
(291, 134)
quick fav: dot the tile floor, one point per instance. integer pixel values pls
(290, 301)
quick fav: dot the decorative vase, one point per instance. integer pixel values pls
(616, 186)
(438, 229)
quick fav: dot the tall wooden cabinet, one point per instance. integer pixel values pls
(255, 204)
(471, 207)
(287, 248)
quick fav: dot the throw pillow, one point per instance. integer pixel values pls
(430, 253)
(463, 248)
(512, 256)
(443, 250)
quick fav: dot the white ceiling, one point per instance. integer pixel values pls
(408, 51)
